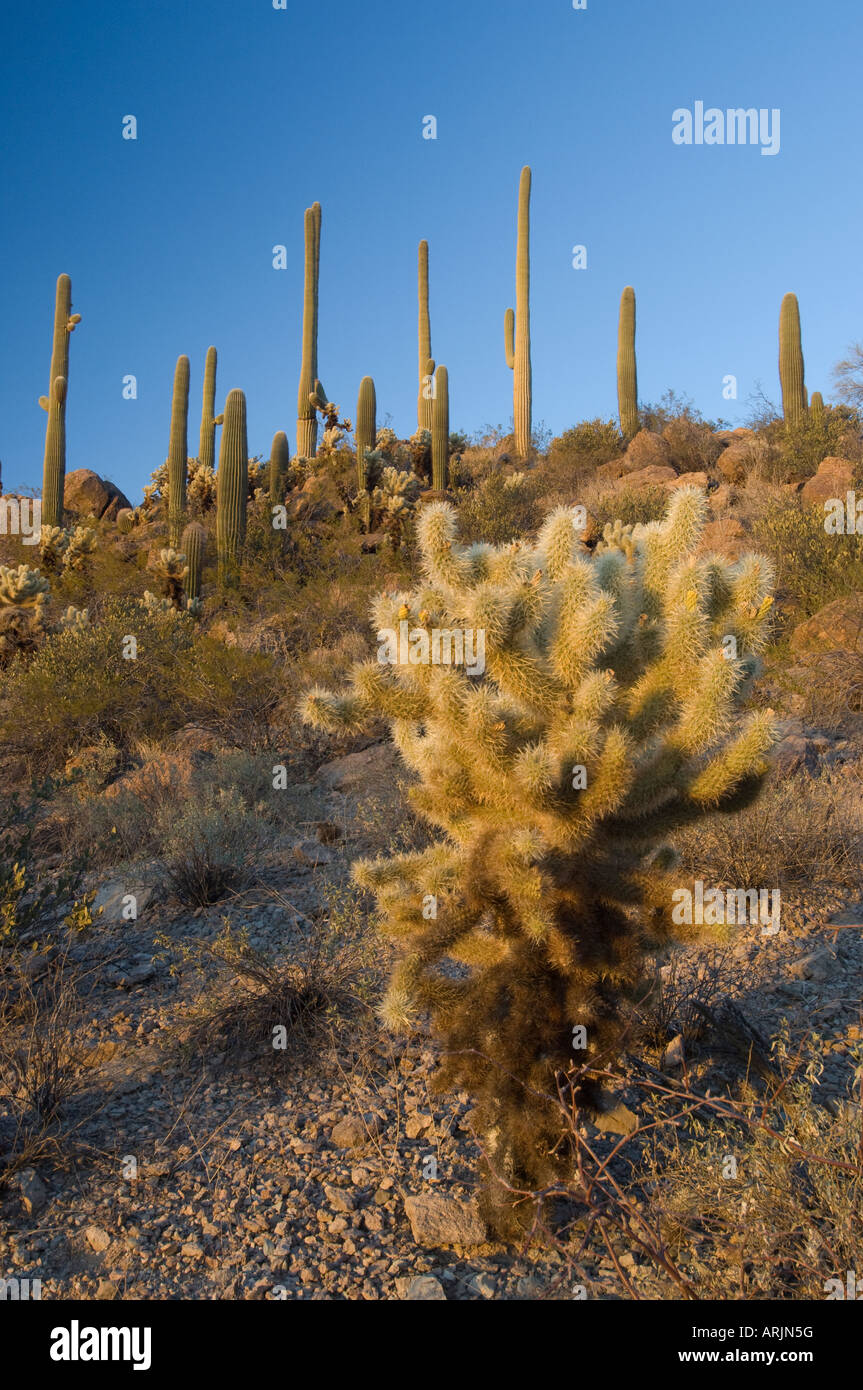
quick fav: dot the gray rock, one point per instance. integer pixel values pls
(484, 1285)
(424, 1289)
(34, 1193)
(339, 1199)
(441, 1220)
(349, 1133)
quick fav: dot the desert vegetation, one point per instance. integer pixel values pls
(373, 814)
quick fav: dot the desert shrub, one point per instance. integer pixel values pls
(812, 566)
(671, 409)
(230, 691)
(277, 1008)
(693, 445)
(79, 686)
(209, 848)
(606, 719)
(31, 895)
(582, 449)
(785, 454)
(632, 506)
(502, 508)
(802, 830)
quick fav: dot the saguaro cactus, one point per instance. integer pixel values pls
(233, 489)
(627, 376)
(597, 715)
(816, 408)
(440, 431)
(178, 450)
(517, 325)
(791, 362)
(280, 458)
(425, 402)
(207, 442)
(54, 403)
(307, 420)
(366, 428)
(193, 546)
(425, 348)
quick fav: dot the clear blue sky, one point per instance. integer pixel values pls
(247, 114)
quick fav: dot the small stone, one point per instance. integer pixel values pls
(673, 1055)
(34, 1193)
(424, 1289)
(441, 1220)
(349, 1133)
(418, 1121)
(97, 1238)
(107, 1290)
(484, 1285)
(339, 1199)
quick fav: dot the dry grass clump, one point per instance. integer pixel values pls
(802, 830)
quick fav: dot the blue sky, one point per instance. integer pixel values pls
(247, 114)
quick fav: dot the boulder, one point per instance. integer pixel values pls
(838, 626)
(368, 770)
(688, 480)
(654, 475)
(693, 446)
(735, 461)
(835, 477)
(647, 449)
(611, 471)
(725, 537)
(85, 493)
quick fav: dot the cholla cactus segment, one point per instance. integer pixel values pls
(23, 587)
(173, 570)
(53, 543)
(74, 619)
(564, 712)
(82, 544)
(152, 603)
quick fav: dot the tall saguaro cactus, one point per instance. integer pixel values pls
(791, 362)
(425, 403)
(440, 431)
(425, 348)
(233, 490)
(627, 376)
(366, 428)
(307, 420)
(178, 450)
(207, 442)
(193, 545)
(54, 403)
(280, 458)
(517, 324)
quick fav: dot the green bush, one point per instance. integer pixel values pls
(812, 567)
(500, 509)
(207, 849)
(633, 506)
(584, 447)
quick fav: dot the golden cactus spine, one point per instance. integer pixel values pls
(307, 420)
(440, 431)
(233, 490)
(791, 362)
(54, 470)
(207, 441)
(627, 376)
(178, 450)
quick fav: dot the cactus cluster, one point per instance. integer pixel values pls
(23, 595)
(603, 715)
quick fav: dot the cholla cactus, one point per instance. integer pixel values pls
(74, 620)
(393, 502)
(600, 715)
(386, 440)
(22, 587)
(515, 482)
(420, 451)
(201, 487)
(172, 569)
(152, 603)
(82, 544)
(53, 544)
(23, 595)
